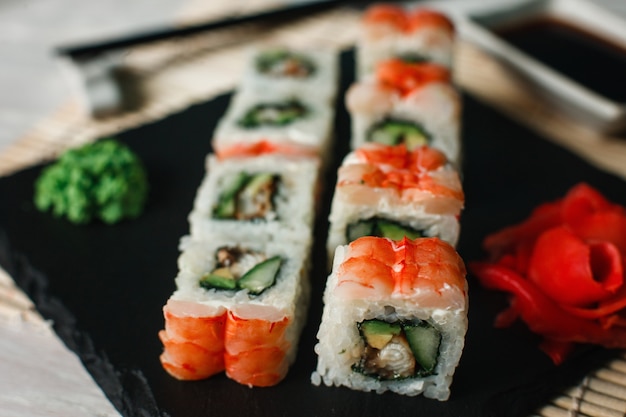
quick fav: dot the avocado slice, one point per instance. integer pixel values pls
(256, 183)
(380, 228)
(378, 333)
(256, 199)
(396, 231)
(424, 341)
(414, 138)
(261, 276)
(221, 278)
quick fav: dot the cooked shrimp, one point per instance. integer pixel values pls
(407, 103)
(437, 265)
(371, 280)
(200, 341)
(263, 147)
(256, 350)
(263, 367)
(405, 21)
(396, 78)
(421, 175)
(189, 361)
(423, 17)
(399, 157)
(425, 267)
(405, 77)
(418, 35)
(386, 14)
(193, 340)
(364, 98)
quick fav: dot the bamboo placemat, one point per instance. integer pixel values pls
(175, 74)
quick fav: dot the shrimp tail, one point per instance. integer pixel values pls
(193, 346)
(256, 350)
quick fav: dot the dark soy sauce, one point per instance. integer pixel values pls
(585, 58)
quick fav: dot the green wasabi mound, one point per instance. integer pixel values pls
(102, 180)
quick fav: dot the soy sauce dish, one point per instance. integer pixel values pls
(572, 51)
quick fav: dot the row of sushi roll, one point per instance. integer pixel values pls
(395, 303)
(242, 290)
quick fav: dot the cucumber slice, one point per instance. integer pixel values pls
(273, 114)
(261, 276)
(226, 207)
(359, 229)
(218, 280)
(396, 231)
(395, 132)
(424, 341)
(290, 113)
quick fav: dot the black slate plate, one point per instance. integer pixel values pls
(104, 286)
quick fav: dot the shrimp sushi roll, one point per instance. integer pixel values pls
(418, 35)
(390, 191)
(275, 121)
(270, 196)
(395, 317)
(414, 104)
(281, 67)
(239, 307)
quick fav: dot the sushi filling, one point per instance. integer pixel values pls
(248, 197)
(412, 58)
(396, 132)
(282, 63)
(273, 114)
(237, 269)
(399, 350)
(379, 227)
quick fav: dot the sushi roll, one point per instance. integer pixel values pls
(270, 197)
(418, 35)
(277, 121)
(394, 319)
(389, 191)
(414, 104)
(289, 69)
(239, 307)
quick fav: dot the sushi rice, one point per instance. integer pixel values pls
(294, 199)
(435, 107)
(384, 34)
(307, 134)
(395, 308)
(272, 67)
(283, 304)
(350, 299)
(433, 208)
(242, 288)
